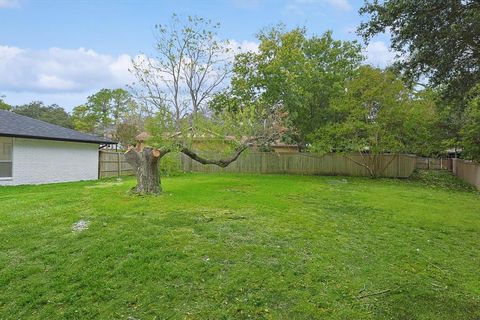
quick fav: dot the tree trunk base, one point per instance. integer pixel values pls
(146, 190)
(145, 165)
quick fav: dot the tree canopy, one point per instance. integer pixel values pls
(470, 132)
(439, 40)
(189, 64)
(53, 114)
(109, 112)
(376, 114)
(4, 105)
(302, 73)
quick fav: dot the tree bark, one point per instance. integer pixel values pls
(145, 166)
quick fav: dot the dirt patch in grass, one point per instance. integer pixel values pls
(80, 226)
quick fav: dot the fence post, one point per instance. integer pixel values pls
(333, 164)
(99, 164)
(119, 165)
(398, 166)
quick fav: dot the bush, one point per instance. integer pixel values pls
(171, 165)
(441, 179)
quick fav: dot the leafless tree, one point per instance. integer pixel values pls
(190, 64)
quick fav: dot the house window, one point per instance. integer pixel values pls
(6, 157)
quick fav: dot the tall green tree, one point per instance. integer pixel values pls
(439, 40)
(471, 129)
(103, 111)
(302, 73)
(84, 119)
(378, 114)
(3, 104)
(53, 114)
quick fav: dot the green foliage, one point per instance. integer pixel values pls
(379, 114)
(125, 133)
(422, 133)
(4, 105)
(440, 38)
(441, 179)
(170, 165)
(470, 131)
(302, 74)
(109, 112)
(104, 108)
(240, 247)
(162, 128)
(84, 120)
(450, 122)
(218, 134)
(53, 114)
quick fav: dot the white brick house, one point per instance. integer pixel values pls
(35, 152)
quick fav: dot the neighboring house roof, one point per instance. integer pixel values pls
(15, 125)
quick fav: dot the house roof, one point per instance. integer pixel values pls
(14, 125)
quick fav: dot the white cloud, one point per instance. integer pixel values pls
(293, 9)
(60, 70)
(243, 46)
(299, 7)
(379, 54)
(62, 76)
(54, 82)
(9, 4)
(68, 76)
(340, 4)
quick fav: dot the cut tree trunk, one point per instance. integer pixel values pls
(145, 166)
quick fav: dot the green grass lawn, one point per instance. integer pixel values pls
(242, 247)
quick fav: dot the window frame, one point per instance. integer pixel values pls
(8, 161)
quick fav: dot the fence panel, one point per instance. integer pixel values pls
(434, 163)
(468, 171)
(113, 164)
(400, 166)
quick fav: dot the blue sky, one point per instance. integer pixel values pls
(62, 51)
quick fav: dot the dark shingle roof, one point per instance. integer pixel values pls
(14, 125)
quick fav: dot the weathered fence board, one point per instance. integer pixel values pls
(113, 164)
(468, 171)
(434, 163)
(401, 166)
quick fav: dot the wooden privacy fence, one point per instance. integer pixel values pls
(434, 163)
(402, 166)
(468, 171)
(112, 164)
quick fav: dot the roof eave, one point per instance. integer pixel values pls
(56, 139)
